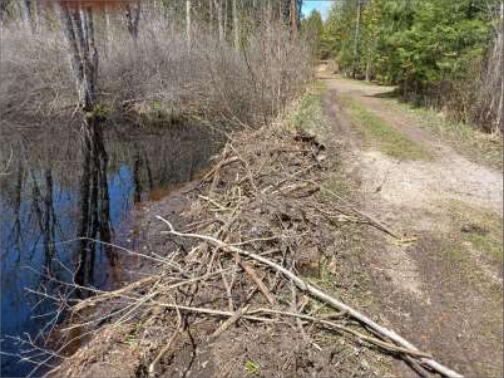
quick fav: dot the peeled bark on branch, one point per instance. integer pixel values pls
(320, 295)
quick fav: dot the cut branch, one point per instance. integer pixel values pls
(320, 295)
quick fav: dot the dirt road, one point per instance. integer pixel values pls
(440, 287)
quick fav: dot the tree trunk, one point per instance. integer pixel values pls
(356, 39)
(500, 64)
(133, 19)
(108, 34)
(269, 14)
(211, 16)
(368, 69)
(188, 23)
(236, 30)
(293, 19)
(26, 13)
(78, 28)
(225, 17)
(218, 9)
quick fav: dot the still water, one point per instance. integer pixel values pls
(63, 184)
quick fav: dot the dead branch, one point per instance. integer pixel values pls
(229, 322)
(373, 221)
(93, 301)
(163, 351)
(320, 295)
(255, 278)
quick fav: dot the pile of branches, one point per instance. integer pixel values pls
(261, 230)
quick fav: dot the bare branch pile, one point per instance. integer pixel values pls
(261, 239)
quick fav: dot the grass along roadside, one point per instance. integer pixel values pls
(481, 231)
(308, 114)
(339, 268)
(378, 133)
(466, 139)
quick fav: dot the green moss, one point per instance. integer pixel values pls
(377, 132)
(158, 113)
(102, 111)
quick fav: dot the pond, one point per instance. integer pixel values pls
(65, 189)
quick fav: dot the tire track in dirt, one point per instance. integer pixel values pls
(440, 291)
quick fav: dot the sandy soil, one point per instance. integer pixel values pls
(439, 291)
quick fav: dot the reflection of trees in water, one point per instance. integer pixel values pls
(16, 205)
(94, 204)
(49, 166)
(43, 208)
(60, 187)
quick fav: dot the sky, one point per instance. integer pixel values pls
(322, 6)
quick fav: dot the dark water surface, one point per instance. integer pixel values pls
(65, 183)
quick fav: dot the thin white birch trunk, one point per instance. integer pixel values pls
(236, 30)
(188, 24)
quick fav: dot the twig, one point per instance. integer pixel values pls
(152, 366)
(228, 290)
(214, 202)
(221, 164)
(209, 311)
(260, 285)
(325, 298)
(93, 301)
(387, 346)
(229, 322)
(375, 222)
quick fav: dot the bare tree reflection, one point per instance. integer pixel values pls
(94, 205)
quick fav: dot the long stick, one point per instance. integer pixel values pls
(375, 222)
(323, 297)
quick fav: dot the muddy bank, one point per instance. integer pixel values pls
(258, 195)
(64, 199)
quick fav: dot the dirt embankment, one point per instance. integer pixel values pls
(281, 193)
(203, 311)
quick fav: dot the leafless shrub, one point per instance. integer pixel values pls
(36, 81)
(211, 80)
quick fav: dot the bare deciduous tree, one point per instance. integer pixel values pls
(236, 27)
(78, 27)
(188, 23)
(133, 18)
(294, 19)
